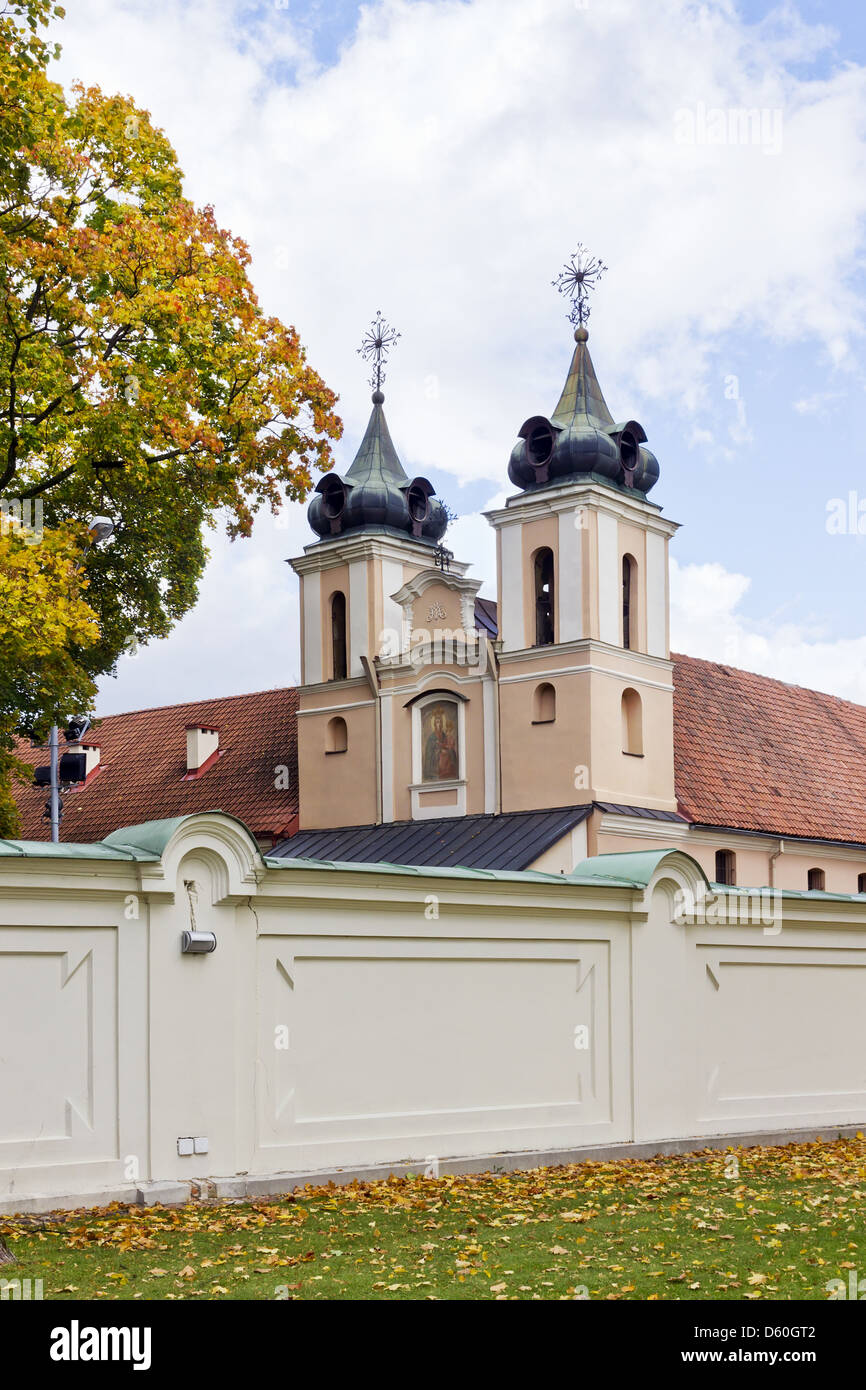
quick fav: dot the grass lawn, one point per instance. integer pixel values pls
(747, 1224)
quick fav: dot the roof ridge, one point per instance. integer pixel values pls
(771, 680)
(208, 700)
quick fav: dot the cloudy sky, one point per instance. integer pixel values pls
(440, 159)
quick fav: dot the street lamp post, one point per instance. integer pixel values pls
(99, 528)
(54, 784)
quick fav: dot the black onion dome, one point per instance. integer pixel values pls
(581, 438)
(376, 494)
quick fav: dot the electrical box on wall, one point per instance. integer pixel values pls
(197, 1144)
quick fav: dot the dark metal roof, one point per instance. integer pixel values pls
(486, 619)
(511, 841)
(644, 812)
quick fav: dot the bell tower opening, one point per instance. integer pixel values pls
(544, 597)
(338, 636)
(629, 569)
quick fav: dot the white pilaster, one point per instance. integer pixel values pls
(488, 705)
(569, 600)
(512, 627)
(359, 624)
(609, 580)
(312, 627)
(386, 705)
(656, 595)
(392, 613)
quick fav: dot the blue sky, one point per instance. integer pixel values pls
(439, 160)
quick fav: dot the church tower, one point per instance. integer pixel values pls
(585, 677)
(397, 710)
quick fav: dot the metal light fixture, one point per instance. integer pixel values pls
(99, 529)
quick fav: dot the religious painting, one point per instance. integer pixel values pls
(439, 742)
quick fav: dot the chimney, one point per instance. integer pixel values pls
(201, 746)
(91, 752)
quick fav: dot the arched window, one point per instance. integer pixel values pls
(726, 866)
(337, 740)
(544, 704)
(861, 883)
(338, 636)
(816, 880)
(629, 602)
(632, 723)
(544, 626)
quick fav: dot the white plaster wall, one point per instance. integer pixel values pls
(350, 1018)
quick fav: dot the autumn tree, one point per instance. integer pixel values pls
(45, 622)
(139, 375)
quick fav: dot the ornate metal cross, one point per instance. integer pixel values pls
(578, 277)
(375, 346)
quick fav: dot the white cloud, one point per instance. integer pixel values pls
(705, 622)
(444, 167)
(817, 403)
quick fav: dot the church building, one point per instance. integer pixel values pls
(433, 727)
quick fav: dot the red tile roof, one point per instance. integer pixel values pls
(143, 764)
(750, 753)
(757, 754)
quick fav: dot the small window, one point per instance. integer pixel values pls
(544, 625)
(816, 880)
(338, 636)
(337, 737)
(629, 569)
(544, 704)
(726, 866)
(632, 723)
(861, 883)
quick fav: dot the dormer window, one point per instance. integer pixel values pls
(544, 598)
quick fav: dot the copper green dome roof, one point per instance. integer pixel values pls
(581, 439)
(376, 494)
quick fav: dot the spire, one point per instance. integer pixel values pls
(376, 457)
(581, 400)
(376, 494)
(581, 439)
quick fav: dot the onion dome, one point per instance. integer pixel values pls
(581, 439)
(376, 494)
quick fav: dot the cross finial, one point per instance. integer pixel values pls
(578, 277)
(375, 346)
